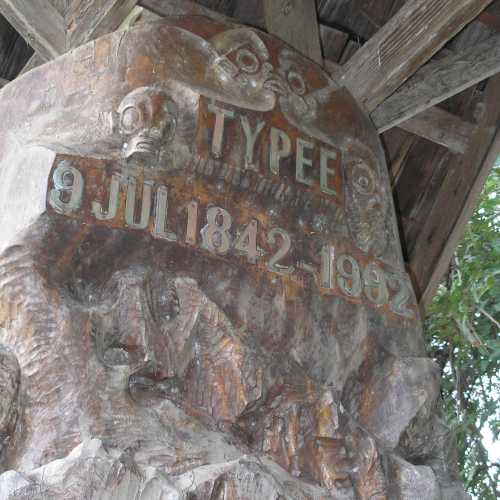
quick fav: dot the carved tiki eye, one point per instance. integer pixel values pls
(247, 61)
(363, 178)
(296, 82)
(131, 119)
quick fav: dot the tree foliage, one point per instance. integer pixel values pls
(462, 331)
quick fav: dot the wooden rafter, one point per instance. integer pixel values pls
(333, 42)
(455, 202)
(406, 42)
(441, 127)
(39, 23)
(438, 81)
(87, 20)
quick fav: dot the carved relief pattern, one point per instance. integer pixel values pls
(202, 297)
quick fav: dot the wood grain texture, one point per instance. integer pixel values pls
(39, 23)
(34, 61)
(362, 18)
(408, 40)
(397, 145)
(180, 8)
(441, 127)
(437, 81)
(89, 19)
(296, 23)
(350, 49)
(333, 42)
(14, 51)
(61, 5)
(456, 199)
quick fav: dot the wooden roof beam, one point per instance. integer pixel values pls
(86, 22)
(39, 23)
(456, 199)
(437, 81)
(406, 42)
(439, 126)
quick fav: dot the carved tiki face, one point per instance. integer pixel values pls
(367, 205)
(243, 58)
(147, 121)
(294, 84)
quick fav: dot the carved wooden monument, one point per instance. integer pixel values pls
(202, 294)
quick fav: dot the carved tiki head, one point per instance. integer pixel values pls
(147, 122)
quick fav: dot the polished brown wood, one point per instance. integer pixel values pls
(202, 290)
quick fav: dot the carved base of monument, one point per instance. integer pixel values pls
(202, 294)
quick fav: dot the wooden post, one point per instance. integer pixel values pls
(296, 23)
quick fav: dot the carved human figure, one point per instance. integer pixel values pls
(107, 360)
(147, 119)
(178, 344)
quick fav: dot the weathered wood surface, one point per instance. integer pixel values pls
(406, 42)
(440, 233)
(441, 127)
(39, 23)
(62, 5)
(89, 19)
(195, 279)
(361, 18)
(180, 8)
(351, 48)
(438, 81)
(296, 23)
(333, 42)
(85, 21)
(34, 61)
(397, 145)
(14, 51)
